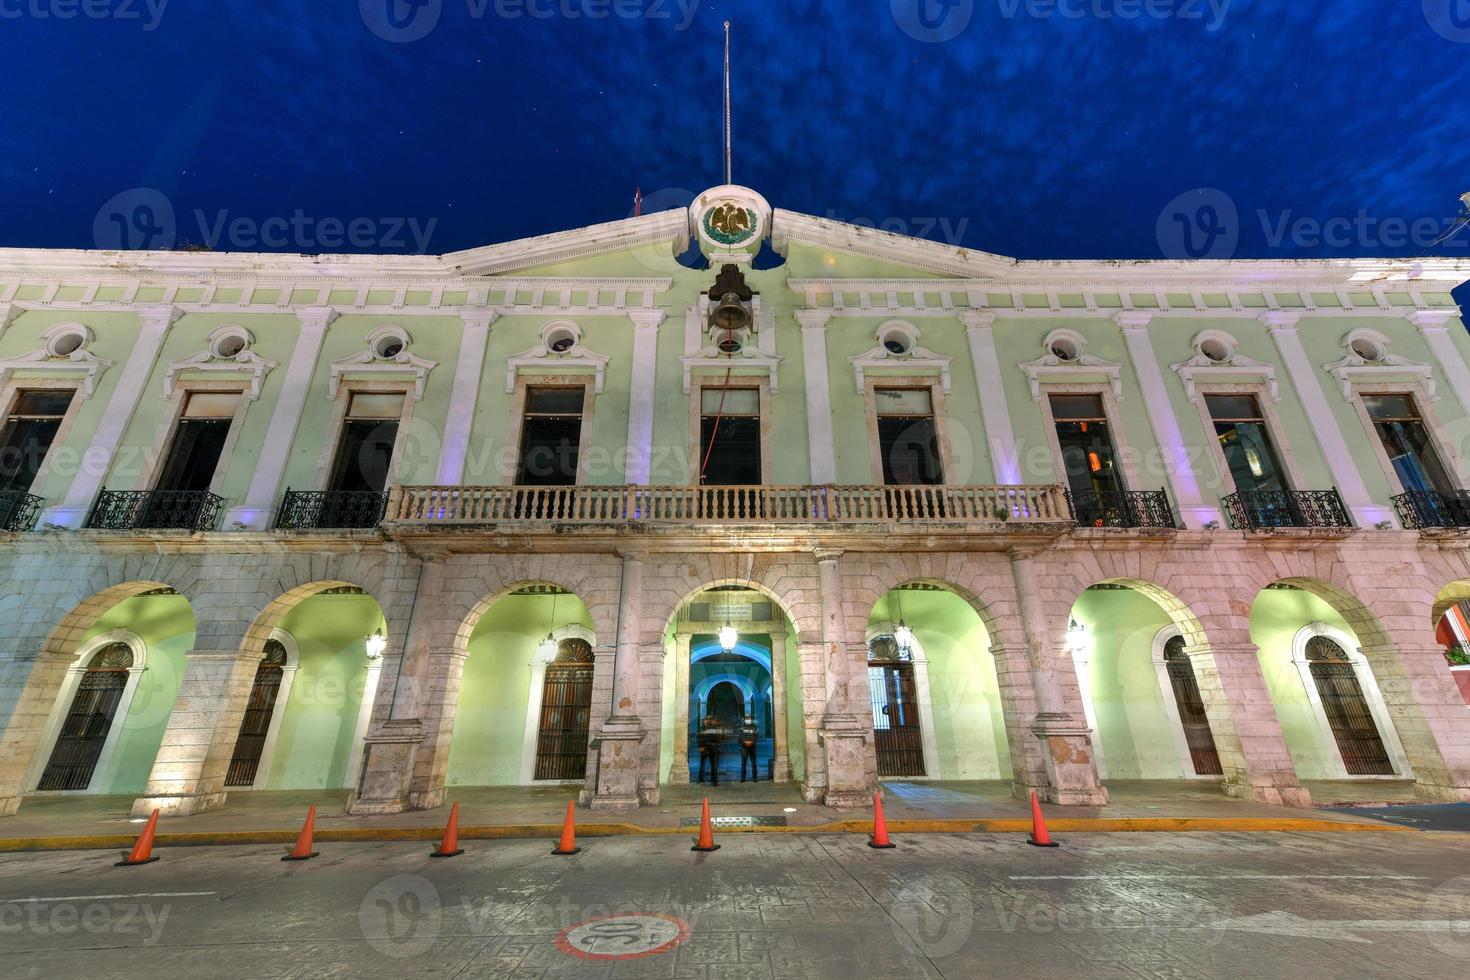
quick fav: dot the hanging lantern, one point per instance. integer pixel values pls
(376, 645)
(729, 636)
(547, 648)
(904, 637)
(1077, 637)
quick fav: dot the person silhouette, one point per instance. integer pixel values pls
(710, 737)
(749, 733)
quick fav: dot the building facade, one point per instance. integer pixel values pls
(528, 514)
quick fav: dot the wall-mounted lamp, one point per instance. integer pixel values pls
(1212, 525)
(1384, 525)
(376, 645)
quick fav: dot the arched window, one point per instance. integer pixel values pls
(1347, 711)
(245, 764)
(897, 734)
(1192, 718)
(566, 709)
(84, 732)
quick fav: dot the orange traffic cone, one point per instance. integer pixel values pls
(449, 847)
(568, 845)
(303, 851)
(142, 852)
(1039, 837)
(880, 839)
(706, 840)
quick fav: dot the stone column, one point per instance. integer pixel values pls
(374, 669)
(619, 738)
(679, 767)
(189, 771)
(781, 769)
(843, 734)
(1071, 773)
(1429, 714)
(813, 709)
(1245, 726)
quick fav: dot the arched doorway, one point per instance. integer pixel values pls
(1189, 708)
(726, 705)
(260, 710)
(566, 712)
(897, 732)
(1346, 709)
(89, 720)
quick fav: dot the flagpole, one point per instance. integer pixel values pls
(728, 178)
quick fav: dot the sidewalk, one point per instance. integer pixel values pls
(88, 822)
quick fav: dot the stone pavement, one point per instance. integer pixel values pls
(929, 805)
(807, 906)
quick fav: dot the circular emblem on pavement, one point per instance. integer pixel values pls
(624, 937)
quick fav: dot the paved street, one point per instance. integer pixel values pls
(1104, 905)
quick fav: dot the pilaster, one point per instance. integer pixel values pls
(464, 396)
(1429, 715)
(994, 410)
(620, 736)
(644, 390)
(818, 395)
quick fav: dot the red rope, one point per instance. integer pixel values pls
(719, 415)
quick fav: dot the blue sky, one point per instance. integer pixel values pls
(1040, 129)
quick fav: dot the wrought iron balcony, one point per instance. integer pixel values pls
(1265, 510)
(1429, 508)
(705, 505)
(136, 510)
(309, 510)
(18, 510)
(1121, 508)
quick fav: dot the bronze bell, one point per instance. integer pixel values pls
(730, 315)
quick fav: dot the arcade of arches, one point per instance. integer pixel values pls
(596, 672)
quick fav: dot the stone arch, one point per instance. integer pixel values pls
(52, 643)
(1449, 596)
(791, 585)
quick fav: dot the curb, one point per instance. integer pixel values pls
(1118, 825)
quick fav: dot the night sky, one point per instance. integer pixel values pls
(1038, 130)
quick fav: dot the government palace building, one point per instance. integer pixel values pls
(537, 514)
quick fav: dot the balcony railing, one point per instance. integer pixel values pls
(18, 511)
(134, 510)
(309, 510)
(1262, 510)
(1428, 508)
(1122, 508)
(727, 505)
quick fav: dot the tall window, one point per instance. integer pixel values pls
(1347, 711)
(1405, 438)
(199, 441)
(551, 437)
(1246, 442)
(365, 448)
(908, 438)
(255, 726)
(88, 722)
(27, 436)
(1086, 441)
(730, 436)
(566, 708)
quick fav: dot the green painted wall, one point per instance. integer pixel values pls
(320, 718)
(490, 723)
(969, 727)
(1137, 734)
(166, 626)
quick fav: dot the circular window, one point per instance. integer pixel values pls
(894, 344)
(731, 343)
(67, 343)
(898, 338)
(1215, 349)
(389, 346)
(230, 345)
(1368, 348)
(1066, 348)
(560, 340)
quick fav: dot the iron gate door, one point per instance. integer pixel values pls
(896, 733)
(245, 763)
(84, 733)
(1192, 717)
(566, 709)
(1351, 722)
